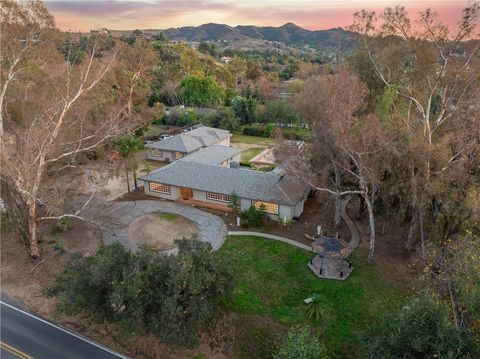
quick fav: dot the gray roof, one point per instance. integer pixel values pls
(179, 143)
(192, 140)
(208, 135)
(212, 155)
(263, 186)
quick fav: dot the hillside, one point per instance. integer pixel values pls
(290, 34)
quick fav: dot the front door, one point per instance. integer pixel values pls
(186, 193)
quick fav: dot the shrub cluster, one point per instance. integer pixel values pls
(252, 217)
(169, 296)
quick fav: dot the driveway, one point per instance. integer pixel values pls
(116, 217)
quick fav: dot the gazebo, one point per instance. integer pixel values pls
(329, 261)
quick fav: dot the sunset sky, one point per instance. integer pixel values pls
(83, 15)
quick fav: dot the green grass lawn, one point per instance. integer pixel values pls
(272, 279)
(247, 155)
(253, 140)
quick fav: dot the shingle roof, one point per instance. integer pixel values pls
(269, 187)
(191, 140)
(208, 135)
(212, 155)
(180, 143)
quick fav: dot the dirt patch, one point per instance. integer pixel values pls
(158, 231)
(25, 278)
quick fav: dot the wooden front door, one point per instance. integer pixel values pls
(186, 193)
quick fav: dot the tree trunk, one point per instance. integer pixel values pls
(32, 228)
(338, 200)
(128, 182)
(422, 237)
(411, 232)
(338, 210)
(371, 223)
(361, 207)
(134, 173)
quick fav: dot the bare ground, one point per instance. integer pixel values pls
(158, 231)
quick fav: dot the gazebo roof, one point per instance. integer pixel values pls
(330, 246)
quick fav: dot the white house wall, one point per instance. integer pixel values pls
(172, 196)
(167, 156)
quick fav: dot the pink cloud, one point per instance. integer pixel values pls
(85, 15)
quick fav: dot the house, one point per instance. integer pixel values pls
(211, 185)
(179, 146)
(215, 155)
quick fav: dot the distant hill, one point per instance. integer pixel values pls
(289, 34)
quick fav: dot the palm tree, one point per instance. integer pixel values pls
(128, 146)
(315, 309)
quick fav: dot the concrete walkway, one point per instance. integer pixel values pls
(115, 219)
(354, 234)
(271, 236)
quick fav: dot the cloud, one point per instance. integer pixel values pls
(130, 14)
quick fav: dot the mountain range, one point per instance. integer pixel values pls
(289, 34)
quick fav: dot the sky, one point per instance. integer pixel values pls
(84, 15)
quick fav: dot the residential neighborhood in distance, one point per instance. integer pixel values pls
(239, 179)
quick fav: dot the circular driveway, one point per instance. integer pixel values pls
(115, 219)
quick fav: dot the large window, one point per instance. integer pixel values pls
(156, 152)
(266, 206)
(178, 155)
(159, 187)
(218, 197)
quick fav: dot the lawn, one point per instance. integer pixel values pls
(253, 140)
(247, 155)
(272, 280)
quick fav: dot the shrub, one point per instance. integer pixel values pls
(301, 343)
(169, 296)
(421, 329)
(64, 225)
(252, 217)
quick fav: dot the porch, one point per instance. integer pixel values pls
(207, 205)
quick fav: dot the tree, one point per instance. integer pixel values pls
(245, 109)
(433, 73)
(171, 297)
(342, 143)
(301, 343)
(201, 91)
(28, 34)
(225, 118)
(128, 147)
(65, 110)
(280, 112)
(421, 329)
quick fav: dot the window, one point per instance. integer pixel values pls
(218, 197)
(178, 155)
(266, 206)
(156, 152)
(159, 187)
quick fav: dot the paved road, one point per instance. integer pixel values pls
(115, 219)
(25, 336)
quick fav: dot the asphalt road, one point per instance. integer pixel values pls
(24, 335)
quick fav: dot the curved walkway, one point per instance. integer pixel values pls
(354, 235)
(271, 236)
(115, 219)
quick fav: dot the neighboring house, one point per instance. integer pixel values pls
(264, 158)
(210, 185)
(215, 155)
(179, 146)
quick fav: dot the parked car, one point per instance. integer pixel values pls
(147, 142)
(162, 137)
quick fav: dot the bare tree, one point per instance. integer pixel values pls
(435, 74)
(69, 109)
(340, 158)
(26, 34)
